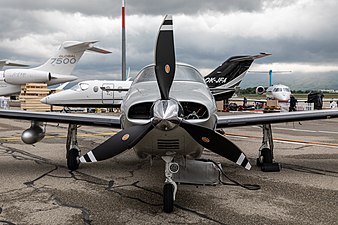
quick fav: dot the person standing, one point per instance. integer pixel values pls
(293, 103)
(245, 102)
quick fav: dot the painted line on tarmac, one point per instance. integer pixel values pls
(289, 141)
(60, 136)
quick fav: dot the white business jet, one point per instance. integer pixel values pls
(278, 92)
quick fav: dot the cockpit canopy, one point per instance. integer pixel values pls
(183, 73)
(82, 86)
(285, 89)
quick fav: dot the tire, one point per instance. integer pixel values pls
(72, 159)
(258, 162)
(267, 155)
(168, 198)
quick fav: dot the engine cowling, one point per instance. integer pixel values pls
(33, 134)
(23, 76)
(260, 90)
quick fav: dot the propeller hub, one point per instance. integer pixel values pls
(166, 114)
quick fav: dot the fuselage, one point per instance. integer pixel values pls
(91, 93)
(192, 93)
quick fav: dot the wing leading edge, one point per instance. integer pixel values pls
(90, 120)
(256, 119)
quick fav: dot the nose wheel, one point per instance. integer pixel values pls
(170, 187)
(72, 149)
(73, 159)
(168, 198)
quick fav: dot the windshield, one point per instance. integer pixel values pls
(80, 87)
(183, 73)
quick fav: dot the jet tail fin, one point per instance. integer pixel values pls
(67, 56)
(224, 79)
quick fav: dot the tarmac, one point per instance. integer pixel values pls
(37, 188)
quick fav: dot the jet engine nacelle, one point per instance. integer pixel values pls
(23, 76)
(260, 90)
(33, 134)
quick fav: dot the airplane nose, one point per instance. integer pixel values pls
(44, 100)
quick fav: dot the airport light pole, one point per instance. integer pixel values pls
(124, 76)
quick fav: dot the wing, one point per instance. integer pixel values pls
(266, 118)
(91, 120)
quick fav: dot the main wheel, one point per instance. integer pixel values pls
(267, 155)
(168, 198)
(73, 159)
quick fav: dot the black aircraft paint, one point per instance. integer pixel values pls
(224, 79)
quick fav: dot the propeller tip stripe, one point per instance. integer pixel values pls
(248, 166)
(167, 27)
(168, 17)
(240, 159)
(89, 157)
(82, 159)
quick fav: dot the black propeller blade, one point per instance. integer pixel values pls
(216, 143)
(165, 71)
(123, 140)
(165, 57)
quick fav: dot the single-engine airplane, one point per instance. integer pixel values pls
(56, 70)
(168, 112)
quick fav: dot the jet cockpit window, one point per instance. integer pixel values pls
(183, 73)
(286, 89)
(84, 86)
(76, 88)
(277, 89)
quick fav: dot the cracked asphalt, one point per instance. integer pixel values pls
(37, 188)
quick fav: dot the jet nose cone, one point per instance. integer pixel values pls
(44, 100)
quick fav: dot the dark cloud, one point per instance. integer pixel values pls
(139, 7)
(206, 32)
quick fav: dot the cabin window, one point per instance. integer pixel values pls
(96, 89)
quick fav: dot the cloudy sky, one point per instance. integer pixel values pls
(300, 34)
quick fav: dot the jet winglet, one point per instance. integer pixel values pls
(250, 57)
(87, 45)
(99, 50)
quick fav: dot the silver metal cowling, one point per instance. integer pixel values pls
(166, 114)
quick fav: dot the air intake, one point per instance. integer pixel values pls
(168, 144)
